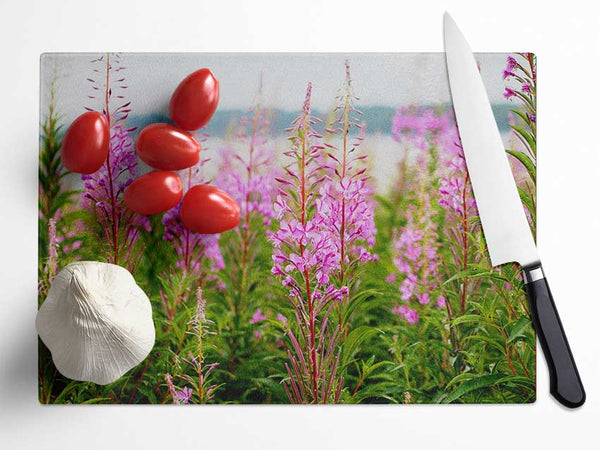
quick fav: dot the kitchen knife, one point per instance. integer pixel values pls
(502, 216)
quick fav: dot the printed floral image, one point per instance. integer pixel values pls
(358, 272)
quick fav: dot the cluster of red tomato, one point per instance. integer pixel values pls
(205, 209)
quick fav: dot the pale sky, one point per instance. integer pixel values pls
(380, 79)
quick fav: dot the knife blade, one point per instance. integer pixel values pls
(501, 212)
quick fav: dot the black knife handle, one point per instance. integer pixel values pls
(565, 383)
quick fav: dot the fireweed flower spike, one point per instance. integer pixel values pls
(416, 246)
(198, 329)
(524, 130)
(103, 190)
(52, 265)
(305, 259)
(417, 260)
(344, 205)
(456, 197)
(247, 171)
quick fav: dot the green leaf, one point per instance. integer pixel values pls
(526, 161)
(527, 136)
(62, 397)
(360, 300)
(528, 383)
(487, 340)
(468, 318)
(460, 378)
(521, 114)
(476, 273)
(472, 385)
(93, 401)
(354, 340)
(385, 202)
(518, 328)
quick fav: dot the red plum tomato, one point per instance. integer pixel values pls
(195, 100)
(166, 147)
(154, 192)
(85, 144)
(209, 210)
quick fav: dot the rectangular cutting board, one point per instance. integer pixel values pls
(358, 272)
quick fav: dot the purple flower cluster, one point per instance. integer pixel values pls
(52, 264)
(418, 261)
(258, 317)
(416, 249)
(305, 258)
(103, 190)
(179, 397)
(517, 72)
(456, 197)
(191, 248)
(421, 126)
(455, 193)
(348, 199)
(199, 326)
(344, 206)
(410, 315)
(509, 93)
(303, 254)
(247, 171)
(102, 196)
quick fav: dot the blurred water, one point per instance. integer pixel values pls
(384, 155)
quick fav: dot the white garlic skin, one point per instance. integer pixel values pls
(96, 321)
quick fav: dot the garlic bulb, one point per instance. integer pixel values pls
(96, 321)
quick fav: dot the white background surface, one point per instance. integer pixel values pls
(566, 37)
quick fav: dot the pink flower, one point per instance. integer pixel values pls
(282, 319)
(441, 301)
(411, 316)
(421, 126)
(511, 63)
(416, 247)
(509, 93)
(407, 287)
(258, 316)
(184, 395)
(423, 298)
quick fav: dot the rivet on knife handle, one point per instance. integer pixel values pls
(565, 383)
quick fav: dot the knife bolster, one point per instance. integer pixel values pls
(532, 274)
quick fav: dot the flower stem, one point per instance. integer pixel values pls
(463, 297)
(311, 309)
(113, 206)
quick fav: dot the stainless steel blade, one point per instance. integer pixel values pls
(502, 215)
